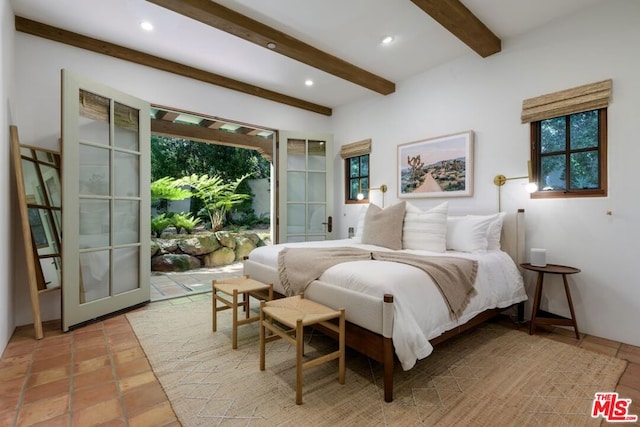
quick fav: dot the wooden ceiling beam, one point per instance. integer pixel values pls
(105, 48)
(232, 22)
(166, 115)
(203, 134)
(462, 23)
(211, 124)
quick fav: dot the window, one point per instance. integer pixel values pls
(569, 154)
(569, 140)
(357, 173)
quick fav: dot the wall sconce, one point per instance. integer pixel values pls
(500, 180)
(383, 188)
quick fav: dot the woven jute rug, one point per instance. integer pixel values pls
(491, 376)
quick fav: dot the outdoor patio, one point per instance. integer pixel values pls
(174, 285)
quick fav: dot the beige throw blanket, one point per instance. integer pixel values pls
(454, 277)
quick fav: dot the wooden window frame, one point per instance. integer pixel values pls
(602, 162)
(348, 178)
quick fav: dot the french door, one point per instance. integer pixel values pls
(305, 187)
(105, 198)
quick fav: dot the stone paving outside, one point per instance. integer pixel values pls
(192, 282)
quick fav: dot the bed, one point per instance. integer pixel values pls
(395, 311)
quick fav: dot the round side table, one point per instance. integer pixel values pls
(548, 318)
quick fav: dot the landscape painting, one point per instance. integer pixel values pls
(436, 167)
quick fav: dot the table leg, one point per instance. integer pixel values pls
(573, 314)
(262, 336)
(214, 318)
(234, 324)
(536, 303)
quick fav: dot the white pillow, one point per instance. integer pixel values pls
(468, 234)
(425, 230)
(360, 224)
(494, 231)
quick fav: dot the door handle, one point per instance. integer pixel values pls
(329, 224)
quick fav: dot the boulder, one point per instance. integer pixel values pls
(255, 239)
(167, 246)
(222, 256)
(174, 262)
(226, 239)
(154, 247)
(244, 245)
(199, 245)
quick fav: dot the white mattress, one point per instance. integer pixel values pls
(419, 314)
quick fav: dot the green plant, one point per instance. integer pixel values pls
(185, 221)
(167, 188)
(159, 223)
(250, 219)
(218, 197)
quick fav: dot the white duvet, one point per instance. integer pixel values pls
(420, 313)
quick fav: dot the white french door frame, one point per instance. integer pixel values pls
(101, 258)
(308, 226)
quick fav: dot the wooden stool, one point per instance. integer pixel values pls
(233, 287)
(295, 313)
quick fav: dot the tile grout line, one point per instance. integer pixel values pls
(23, 389)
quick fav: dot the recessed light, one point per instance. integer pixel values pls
(387, 39)
(146, 25)
(271, 45)
(308, 82)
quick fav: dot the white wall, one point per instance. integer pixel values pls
(261, 189)
(485, 95)
(37, 111)
(7, 191)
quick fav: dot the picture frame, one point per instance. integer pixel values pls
(436, 167)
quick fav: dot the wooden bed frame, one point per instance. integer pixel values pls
(380, 348)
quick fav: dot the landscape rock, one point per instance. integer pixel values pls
(199, 245)
(174, 262)
(222, 256)
(182, 252)
(244, 246)
(226, 239)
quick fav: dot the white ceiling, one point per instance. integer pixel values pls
(349, 29)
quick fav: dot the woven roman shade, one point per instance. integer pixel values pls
(355, 149)
(575, 100)
(96, 107)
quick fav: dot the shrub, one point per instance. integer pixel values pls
(159, 223)
(185, 221)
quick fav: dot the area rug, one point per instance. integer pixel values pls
(493, 375)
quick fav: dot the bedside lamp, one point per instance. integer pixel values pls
(500, 180)
(383, 188)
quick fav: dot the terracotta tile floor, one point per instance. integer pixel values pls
(98, 375)
(94, 375)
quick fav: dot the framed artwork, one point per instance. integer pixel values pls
(436, 167)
